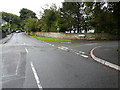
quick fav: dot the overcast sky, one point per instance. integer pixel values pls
(14, 6)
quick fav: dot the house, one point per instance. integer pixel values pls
(2, 22)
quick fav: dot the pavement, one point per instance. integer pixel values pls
(108, 53)
(4, 40)
(30, 63)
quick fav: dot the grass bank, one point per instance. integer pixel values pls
(51, 39)
(119, 49)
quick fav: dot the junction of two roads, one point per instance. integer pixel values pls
(29, 63)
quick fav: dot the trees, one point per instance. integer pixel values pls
(50, 20)
(100, 16)
(103, 18)
(73, 13)
(114, 8)
(30, 24)
(26, 13)
(28, 20)
(12, 19)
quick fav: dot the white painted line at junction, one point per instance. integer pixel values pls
(53, 45)
(36, 76)
(26, 50)
(17, 67)
(9, 75)
(77, 53)
(114, 66)
(82, 52)
(91, 44)
(47, 43)
(50, 44)
(85, 56)
(73, 51)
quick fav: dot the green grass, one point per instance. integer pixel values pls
(119, 49)
(51, 39)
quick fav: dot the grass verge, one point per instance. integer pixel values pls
(51, 39)
(118, 49)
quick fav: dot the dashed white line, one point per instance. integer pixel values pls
(85, 56)
(9, 75)
(26, 50)
(77, 53)
(82, 52)
(91, 44)
(36, 76)
(53, 45)
(72, 50)
(17, 67)
(50, 44)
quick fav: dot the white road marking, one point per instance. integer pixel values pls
(77, 53)
(26, 50)
(47, 43)
(109, 64)
(91, 44)
(85, 56)
(82, 52)
(9, 75)
(17, 66)
(50, 44)
(53, 45)
(36, 76)
(73, 51)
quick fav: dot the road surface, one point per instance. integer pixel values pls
(29, 63)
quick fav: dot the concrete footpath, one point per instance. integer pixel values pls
(108, 56)
(107, 53)
(4, 40)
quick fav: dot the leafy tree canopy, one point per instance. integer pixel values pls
(26, 13)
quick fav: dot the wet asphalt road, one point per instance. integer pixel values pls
(29, 63)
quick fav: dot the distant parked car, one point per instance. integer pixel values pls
(18, 31)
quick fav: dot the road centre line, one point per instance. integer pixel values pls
(9, 75)
(53, 45)
(82, 52)
(75, 51)
(36, 76)
(50, 44)
(26, 50)
(85, 56)
(17, 67)
(19, 63)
